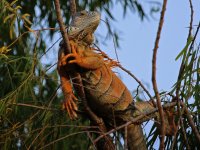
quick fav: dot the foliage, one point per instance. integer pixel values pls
(186, 89)
(30, 114)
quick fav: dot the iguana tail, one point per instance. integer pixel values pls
(136, 139)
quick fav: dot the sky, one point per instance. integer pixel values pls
(137, 43)
(138, 38)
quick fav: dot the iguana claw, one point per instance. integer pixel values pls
(70, 105)
(74, 55)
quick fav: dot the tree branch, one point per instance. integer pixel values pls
(140, 83)
(191, 19)
(160, 110)
(194, 128)
(72, 7)
(62, 27)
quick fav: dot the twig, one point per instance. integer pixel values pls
(180, 123)
(184, 134)
(72, 7)
(49, 48)
(90, 137)
(34, 106)
(174, 141)
(139, 82)
(125, 138)
(62, 27)
(182, 67)
(195, 36)
(194, 128)
(160, 109)
(38, 134)
(191, 123)
(191, 19)
(62, 138)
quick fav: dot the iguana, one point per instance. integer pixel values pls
(107, 95)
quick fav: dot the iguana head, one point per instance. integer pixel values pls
(83, 25)
(86, 20)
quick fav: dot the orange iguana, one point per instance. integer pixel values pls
(107, 95)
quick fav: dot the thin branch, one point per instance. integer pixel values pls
(49, 48)
(72, 7)
(195, 36)
(180, 123)
(182, 67)
(139, 82)
(194, 128)
(191, 19)
(62, 138)
(191, 123)
(38, 134)
(174, 141)
(34, 106)
(184, 134)
(125, 138)
(91, 139)
(62, 27)
(160, 110)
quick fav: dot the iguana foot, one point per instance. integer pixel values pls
(70, 105)
(74, 56)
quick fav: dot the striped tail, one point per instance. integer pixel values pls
(136, 139)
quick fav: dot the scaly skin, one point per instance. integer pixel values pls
(81, 30)
(107, 95)
(105, 92)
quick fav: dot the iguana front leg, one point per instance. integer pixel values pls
(70, 99)
(86, 59)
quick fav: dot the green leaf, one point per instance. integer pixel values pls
(8, 17)
(11, 4)
(185, 48)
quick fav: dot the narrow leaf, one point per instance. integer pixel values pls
(185, 48)
(8, 17)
